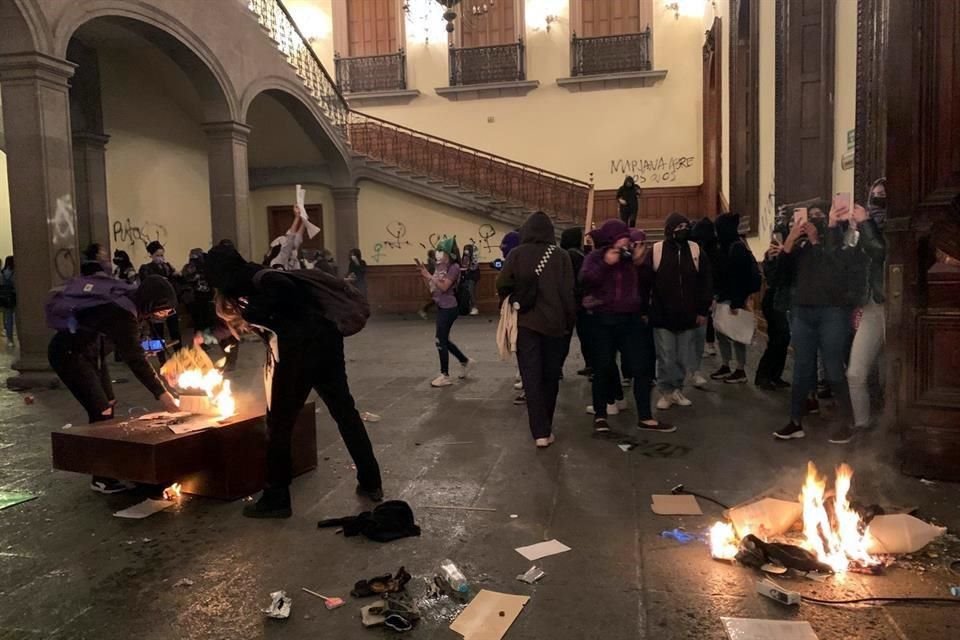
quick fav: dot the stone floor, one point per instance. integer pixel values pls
(68, 569)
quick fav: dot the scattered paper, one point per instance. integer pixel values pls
(163, 415)
(532, 575)
(67, 426)
(489, 616)
(11, 498)
(183, 582)
(675, 505)
(280, 604)
(901, 533)
(542, 550)
(190, 427)
(767, 516)
(144, 509)
(626, 447)
(514, 516)
(756, 629)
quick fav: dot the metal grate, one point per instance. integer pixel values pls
(610, 54)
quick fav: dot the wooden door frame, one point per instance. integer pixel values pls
(712, 119)
(870, 161)
(519, 24)
(745, 158)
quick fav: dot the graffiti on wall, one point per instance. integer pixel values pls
(397, 240)
(132, 235)
(653, 171)
(63, 236)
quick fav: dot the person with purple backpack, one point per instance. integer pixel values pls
(92, 316)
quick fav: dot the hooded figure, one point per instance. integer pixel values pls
(538, 277)
(124, 269)
(628, 197)
(735, 263)
(682, 286)
(510, 242)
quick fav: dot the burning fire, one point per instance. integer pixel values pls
(216, 388)
(723, 541)
(172, 492)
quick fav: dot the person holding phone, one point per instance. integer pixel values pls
(443, 288)
(775, 305)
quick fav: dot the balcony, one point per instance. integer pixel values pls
(611, 62)
(486, 72)
(382, 79)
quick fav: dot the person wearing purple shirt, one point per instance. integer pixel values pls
(443, 287)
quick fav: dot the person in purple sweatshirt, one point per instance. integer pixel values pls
(616, 283)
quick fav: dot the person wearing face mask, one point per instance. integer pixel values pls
(681, 297)
(158, 266)
(96, 259)
(123, 267)
(443, 287)
(813, 259)
(868, 296)
(628, 197)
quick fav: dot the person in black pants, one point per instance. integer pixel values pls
(776, 302)
(628, 197)
(304, 351)
(79, 357)
(539, 278)
(571, 240)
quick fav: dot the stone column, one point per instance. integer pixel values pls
(36, 113)
(346, 224)
(90, 165)
(229, 186)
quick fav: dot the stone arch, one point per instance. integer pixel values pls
(23, 27)
(168, 34)
(309, 115)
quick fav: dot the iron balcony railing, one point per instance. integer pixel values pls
(485, 65)
(365, 74)
(610, 54)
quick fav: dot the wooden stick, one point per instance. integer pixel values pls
(314, 593)
(588, 223)
(456, 508)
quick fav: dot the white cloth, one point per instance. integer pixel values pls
(739, 327)
(507, 330)
(288, 258)
(867, 345)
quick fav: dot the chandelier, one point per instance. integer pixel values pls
(449, 15)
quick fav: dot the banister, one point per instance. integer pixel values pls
(313, 54)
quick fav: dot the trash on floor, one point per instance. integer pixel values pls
(378, 585)
(679, 535)
(280, 604)
(453, 579)
(366, 416)
(955, 592)
(766, 517)
(756, 553)
(532, 575)
(328, 602)
(389, 521)
(489, 616)
(757, 629)
(28, 399)
(542, 550)
(901, 533)
(396, 611)
(11, 498)
(67, 426)
(144, 509)
(675, 505)
(627, 446)
(183, 582)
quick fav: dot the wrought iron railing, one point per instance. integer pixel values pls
(484, 65)
(610, 54)
(503, 180)
(365, 74)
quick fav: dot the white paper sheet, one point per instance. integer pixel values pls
(144, 509)
(542, 550)
(757, 629)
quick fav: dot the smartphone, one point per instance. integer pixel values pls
(153, 346)
(799, 216)
(777, 237)
(842, 200)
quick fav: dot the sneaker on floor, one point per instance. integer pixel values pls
(612, 410)
(542, 443)
(474, 311)
(518, 386)
(722, 373)
(665, 401)
(465, 368)
(520, 399)
(709, 350)
(600, 425)
(441, 380)
(622, 404)
(780, 383)
(789, 432)
(813, 406)
(737, 377)
(680, 399)
(699, 381)
(108, 486)
(662, 427)
(842, 435)
(627, 382)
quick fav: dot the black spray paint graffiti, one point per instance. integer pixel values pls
(657, 449)
(397, 231)
(65, 264)
(654, 171)
(130, 234)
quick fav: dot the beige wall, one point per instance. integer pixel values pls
(284, 196)
(845, 91)
(396, 227)
(723, 12)
(767, 95)
(6, 235)
(157, 176)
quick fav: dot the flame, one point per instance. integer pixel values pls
(213, 384)
(723, 541)
(172, 492)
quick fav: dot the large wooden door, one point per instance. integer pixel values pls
(804, 118)
(372, 27)
(923, 231)
(745, 110)
(614, 17)
(712, 120)
(497, 26)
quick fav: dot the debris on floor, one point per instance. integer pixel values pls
(144, 509)
(901, 533)
(757, 629)
(532, 575)
(183, 582)
(328, 602)
(675, 505)
(389, 521)
(66, 426)
(372, 418)
(489, 616)
(767, 516)
(11, 498)
(280, 604)
(388, 583)
(534, 552)
(679, 535)
(396, 611)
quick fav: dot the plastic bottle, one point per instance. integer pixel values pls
(454, 577)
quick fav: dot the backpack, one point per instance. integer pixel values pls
(333, 298)
(525, 295)
(86, 292)
(658, 254)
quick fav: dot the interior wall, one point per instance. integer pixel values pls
(845, 92)
(6, 233)
(261, 199)
(726, 43)
(766, 135)
(157, 172)
(396, 226)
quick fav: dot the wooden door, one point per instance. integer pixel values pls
(712, 120)
(372, 27)
(497, 26)
(280, 218)
(745, 110)
(804, 100)
(922, 81)
(614, 17)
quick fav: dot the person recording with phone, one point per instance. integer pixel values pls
(775, 305)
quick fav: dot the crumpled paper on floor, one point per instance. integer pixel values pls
(901, 533)
(280, 604)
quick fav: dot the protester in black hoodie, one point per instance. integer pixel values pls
(571, 240)
(304, 352)
(539, 278)
(79, 356)
(628, 197)
(775, 306)
(734, 285)
(681, 298)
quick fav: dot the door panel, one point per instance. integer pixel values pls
(744, 109)
(372, 27)
(498, 26)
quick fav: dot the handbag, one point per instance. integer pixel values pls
(739, 327)
(524, 297)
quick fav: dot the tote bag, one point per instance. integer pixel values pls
(739, 328)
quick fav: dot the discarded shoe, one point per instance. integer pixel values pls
(378, 585)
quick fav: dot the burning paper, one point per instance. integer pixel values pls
(203, 388)
(723, 541)
(172, 492)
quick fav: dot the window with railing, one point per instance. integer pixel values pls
(485, 65)
(368, 74)
(620, 53)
